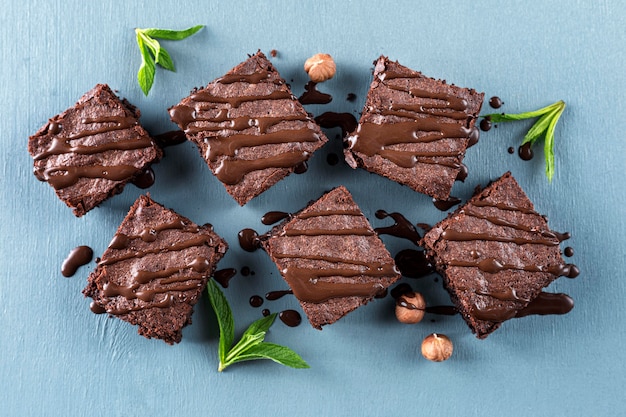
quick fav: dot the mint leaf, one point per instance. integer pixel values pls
(251, 345)
(277, 353)
(172, 35)
(546, 125)
(152, 53)
(225, 320)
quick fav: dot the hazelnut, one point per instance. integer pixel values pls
(437, 347)
(320, 67)
(410, 308)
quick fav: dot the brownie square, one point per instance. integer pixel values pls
(414, 130)
(90, 151)
(249, 128)
(331, 257)
(496, 254)
(154, 270)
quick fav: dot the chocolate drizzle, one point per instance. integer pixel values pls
(548, 303)
(275, 295)
(290, 317)
(78, 257)
(272, 217)
(346, 121)
(401, 228)
(312, 96)
(447, 204)
(223, 276)
(413, 263)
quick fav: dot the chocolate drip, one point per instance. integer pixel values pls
(437, 100)
(346, 121)
(223, 276)
(503, 206)
(495, 102)
(447, 204)
(78, 257)
(60, 146)
(265, 312)
(272, 217)
(290, 317)
(413, 263)
(145, 179)
(442, 310)
(165, 303)
(249, 240)
(548, 303)
(254, 78)
(204, 96)
(149, 234)
(401, 228)
(400, 290)
(171, 138)
(462, 175)
(312, 213)
(359, 231)
(96, 308)
(275, 295)
(119, 123)
(525, 152)
(569, 251)
(458, 236)
(500, 221)
(312, 96)
(493, 266)
(301, 168)
(256, 301)
(485, 124)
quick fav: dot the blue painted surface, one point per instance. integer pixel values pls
(57, 358)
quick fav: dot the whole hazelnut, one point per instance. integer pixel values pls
(320, 67)
(410, 308)
(437, 347)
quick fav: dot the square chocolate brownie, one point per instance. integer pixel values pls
(496, 254)
(414, 130)
(331, 257)
(90, 151)
(154, 270)
(249, 128)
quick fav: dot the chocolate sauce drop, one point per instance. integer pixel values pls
(569, 251)
(495, 102)
(381, 294)
(275, 295)
(171, 138)
(265, 312)
(301, 168)
(346, 121)
(413, 263)
(145, 179)
(511, 150)
(290, 317)
(442, 310)
(474, 137)
(462, 175)
(351, 97)
(332, 159)
(223, 276)
(525, 152)
(485, 124)
(96, 308)
(400, 289)
(256, 301)
(272, 217)
(245, 271)
(312, 96)
(249, 240)
(401, 228)
(77, 257)
(445, 205)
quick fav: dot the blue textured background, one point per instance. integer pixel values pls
(57, 358)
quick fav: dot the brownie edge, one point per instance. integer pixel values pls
(154, 270)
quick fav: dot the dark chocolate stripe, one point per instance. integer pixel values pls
(321, 213)
(119, 123)
(204, 96)
(229, 146)
(198, 265)
(232, 171)
(165, 303)
(458, 236)
(493, 266)
(329, 232)
(254, 78)
(329, 259)
(194, 241)
(149, 234)
(65, 176)
(499, 221)
(61, 146)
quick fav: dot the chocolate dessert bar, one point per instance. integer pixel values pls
(90, 151)
(414, 130)
(496, 254)
(331, 257)
(154, 270)
(249, 128)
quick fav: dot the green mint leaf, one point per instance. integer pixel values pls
(225, 319)
(172, 35)
(546, 125)
(153, 54)
(548, 146)
(145, 75)
(253, 335)
(277, 353)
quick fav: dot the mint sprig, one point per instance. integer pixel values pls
(545, 125)
(251, 346)
(153, 54)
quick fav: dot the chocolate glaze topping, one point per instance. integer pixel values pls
(401, 228)
(312, 96)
